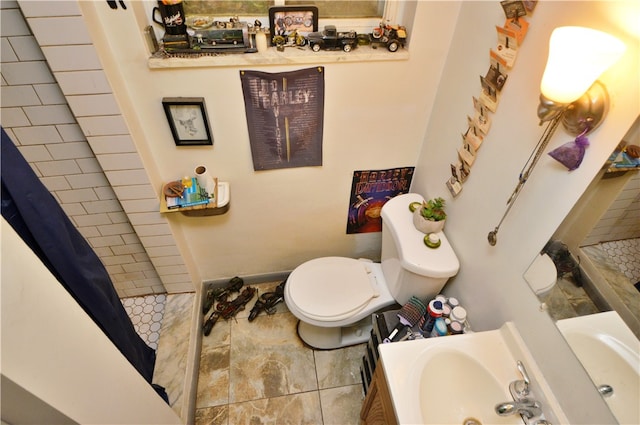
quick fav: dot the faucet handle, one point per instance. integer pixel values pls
(520, 388)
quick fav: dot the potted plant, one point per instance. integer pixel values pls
(429, 216)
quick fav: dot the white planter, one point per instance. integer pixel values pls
(426, 226)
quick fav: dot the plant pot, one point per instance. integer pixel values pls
(426, 226)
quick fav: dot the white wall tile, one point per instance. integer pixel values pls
(87, 180)
(127, 177)
(96, 104)
(9, 4)
(26, 48)
(146, 218)
(58, 168)
(112, 144)
(128, 249)
(73, 210)
(13, 117)
(77, 195)
(103, 126)
(50, 94)
(83, 82)
(72, 58)
(135, 192)
(118, 217)
(150, 241)
(35, 153)
(16, 73)
(105, 193)
(115, 229)
(105, 241)
(71, 132)
(102, 206)
(71, 150)
(12, 23)
(50, 114)
(89, 165)
(63, 30)
(140, 205)
(153, 230)
(120, 161)
(163, 251)
(93, 220)
(6, 51)
(18, 96)
(35, 8)
(36, 135)
(58, 183)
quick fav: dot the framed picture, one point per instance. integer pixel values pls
(285, 19)
(188, 120)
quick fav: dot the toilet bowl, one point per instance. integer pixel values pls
(541, 275)
(334, 297)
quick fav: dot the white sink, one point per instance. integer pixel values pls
(610, 353)
(453, 379)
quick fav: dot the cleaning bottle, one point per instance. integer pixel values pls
(434, 310)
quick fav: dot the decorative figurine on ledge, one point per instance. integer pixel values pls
(331, 39)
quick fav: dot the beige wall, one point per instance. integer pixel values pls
(490, 278)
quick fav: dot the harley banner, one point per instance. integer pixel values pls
(285, 114)
(372, 189)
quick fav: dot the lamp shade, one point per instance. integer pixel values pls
(577, 57)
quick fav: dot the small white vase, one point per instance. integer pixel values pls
(426, 226)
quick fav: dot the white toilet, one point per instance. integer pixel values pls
(334, 297)
(541, 275)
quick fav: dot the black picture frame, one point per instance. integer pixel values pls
(187, 117)
(284, 19)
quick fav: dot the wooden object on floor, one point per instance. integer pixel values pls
(377, 408)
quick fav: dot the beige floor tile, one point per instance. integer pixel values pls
(339, 367)
(341, 406)
(213, 377)
(218, 415)
(303, 409)
(268, 359)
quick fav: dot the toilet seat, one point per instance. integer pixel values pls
(541, 275)
(331, 289)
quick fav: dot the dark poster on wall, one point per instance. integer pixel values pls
(370, 190)
(285, 114)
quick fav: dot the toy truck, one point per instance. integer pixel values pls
(332, 39)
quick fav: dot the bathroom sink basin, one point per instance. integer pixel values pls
(610, 353)
(451, 380)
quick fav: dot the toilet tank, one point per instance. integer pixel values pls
(410, 267)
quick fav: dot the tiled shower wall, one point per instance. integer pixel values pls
(622, 219)
(58, 108)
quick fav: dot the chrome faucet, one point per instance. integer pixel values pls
(523, 403)
(525, 407)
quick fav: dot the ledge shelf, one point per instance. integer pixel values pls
(223, 197)
(291, 56)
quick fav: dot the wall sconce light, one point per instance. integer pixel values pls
(570, 92)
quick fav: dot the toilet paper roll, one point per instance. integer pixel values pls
(205, 179)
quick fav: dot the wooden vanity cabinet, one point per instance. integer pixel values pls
(377, 408)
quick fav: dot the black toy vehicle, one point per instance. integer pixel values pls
(332, 39)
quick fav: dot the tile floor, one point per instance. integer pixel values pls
(626, 255)
(146, 315)
(260, 372)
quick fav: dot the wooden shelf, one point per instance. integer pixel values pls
(221, 206)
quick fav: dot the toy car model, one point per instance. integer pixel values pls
(332, 39)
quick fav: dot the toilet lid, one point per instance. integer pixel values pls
(541, 274)
(331, 288)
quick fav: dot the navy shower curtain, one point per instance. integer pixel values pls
(37, 217)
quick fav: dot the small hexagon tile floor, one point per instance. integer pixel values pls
(146, 315)
(626, 255)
